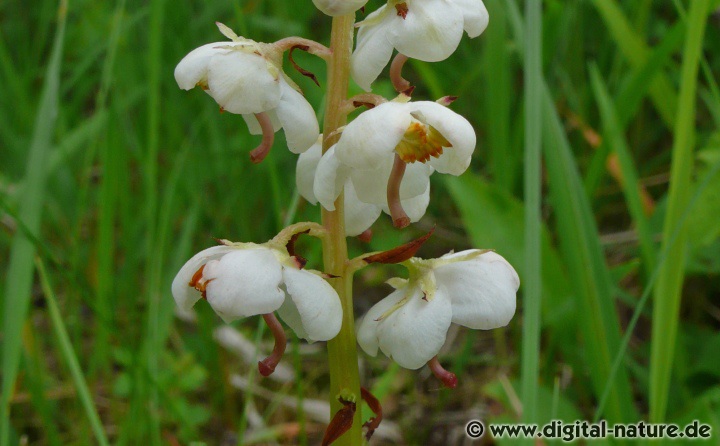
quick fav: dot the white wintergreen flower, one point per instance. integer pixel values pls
(389, 153)
(473, 288)
(428, 30)
(360, 214)
(245, 77)
(335, 8)
(247, 279)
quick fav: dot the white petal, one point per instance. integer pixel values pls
(457, 130)
(415, 332)
(431, 31)
(244, 282)
(317, 302)
(371, 185)
(254, 125)
(185, 295)
(373, 50)
(193, 68)
(339, 7)
(367, 331)
(482, 290)
(414, 207)
(305, 171)
(241, 83)
(359, 216)
(330, 178)
(367, 142)
(297, 118)
(288, 312)
(475, 16)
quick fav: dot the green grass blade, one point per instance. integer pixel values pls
(580, 245)
(497, 89)
(153, 268)
(109, 190)
(616, 140)
(533, 195)
(20, 267)
(70, 357)
(583, 255)
(669, 286)
(635, 50)
(702, 187)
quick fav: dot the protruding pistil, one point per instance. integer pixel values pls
(400, 218)
(267, 365)
(448, 379)
(260, 152)
(400, 83)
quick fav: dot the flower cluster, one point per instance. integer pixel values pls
(380, 162)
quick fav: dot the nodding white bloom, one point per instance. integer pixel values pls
(245, 77)
(246, 279)
(360, 213)
(389, 153)
(339, 7)
(428, 30)
(474, 288)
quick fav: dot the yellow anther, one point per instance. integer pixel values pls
(420, 143)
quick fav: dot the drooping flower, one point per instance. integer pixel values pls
(246, 279)
(245, 77)
(428, 30)
(390, 151)
(360, 213)
(473, 288)
(336, 8)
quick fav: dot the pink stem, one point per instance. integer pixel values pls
(396, 67)
(448, 378)
(260, 152)
(400, 218)
(366, 236)
(267, 365)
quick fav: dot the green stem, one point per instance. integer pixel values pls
(342, 350)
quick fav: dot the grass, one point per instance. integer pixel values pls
(595, 175)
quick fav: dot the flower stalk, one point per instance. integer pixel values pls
(342, 350)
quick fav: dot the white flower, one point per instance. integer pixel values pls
(245, 279)
(339, 7)
(473, 288)
(359, 214)
(245, 77)
(428, 30)
(379, 151)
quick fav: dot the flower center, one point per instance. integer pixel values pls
(421, 142)
(402, 9)
(199, 282)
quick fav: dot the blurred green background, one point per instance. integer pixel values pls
(111, 177)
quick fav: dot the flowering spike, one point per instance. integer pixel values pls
(260, 152)
(372, 423)
(400, 83)
(341, 422)
(400, 218)
(267, 365)
(448, 379)
(301, 70)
